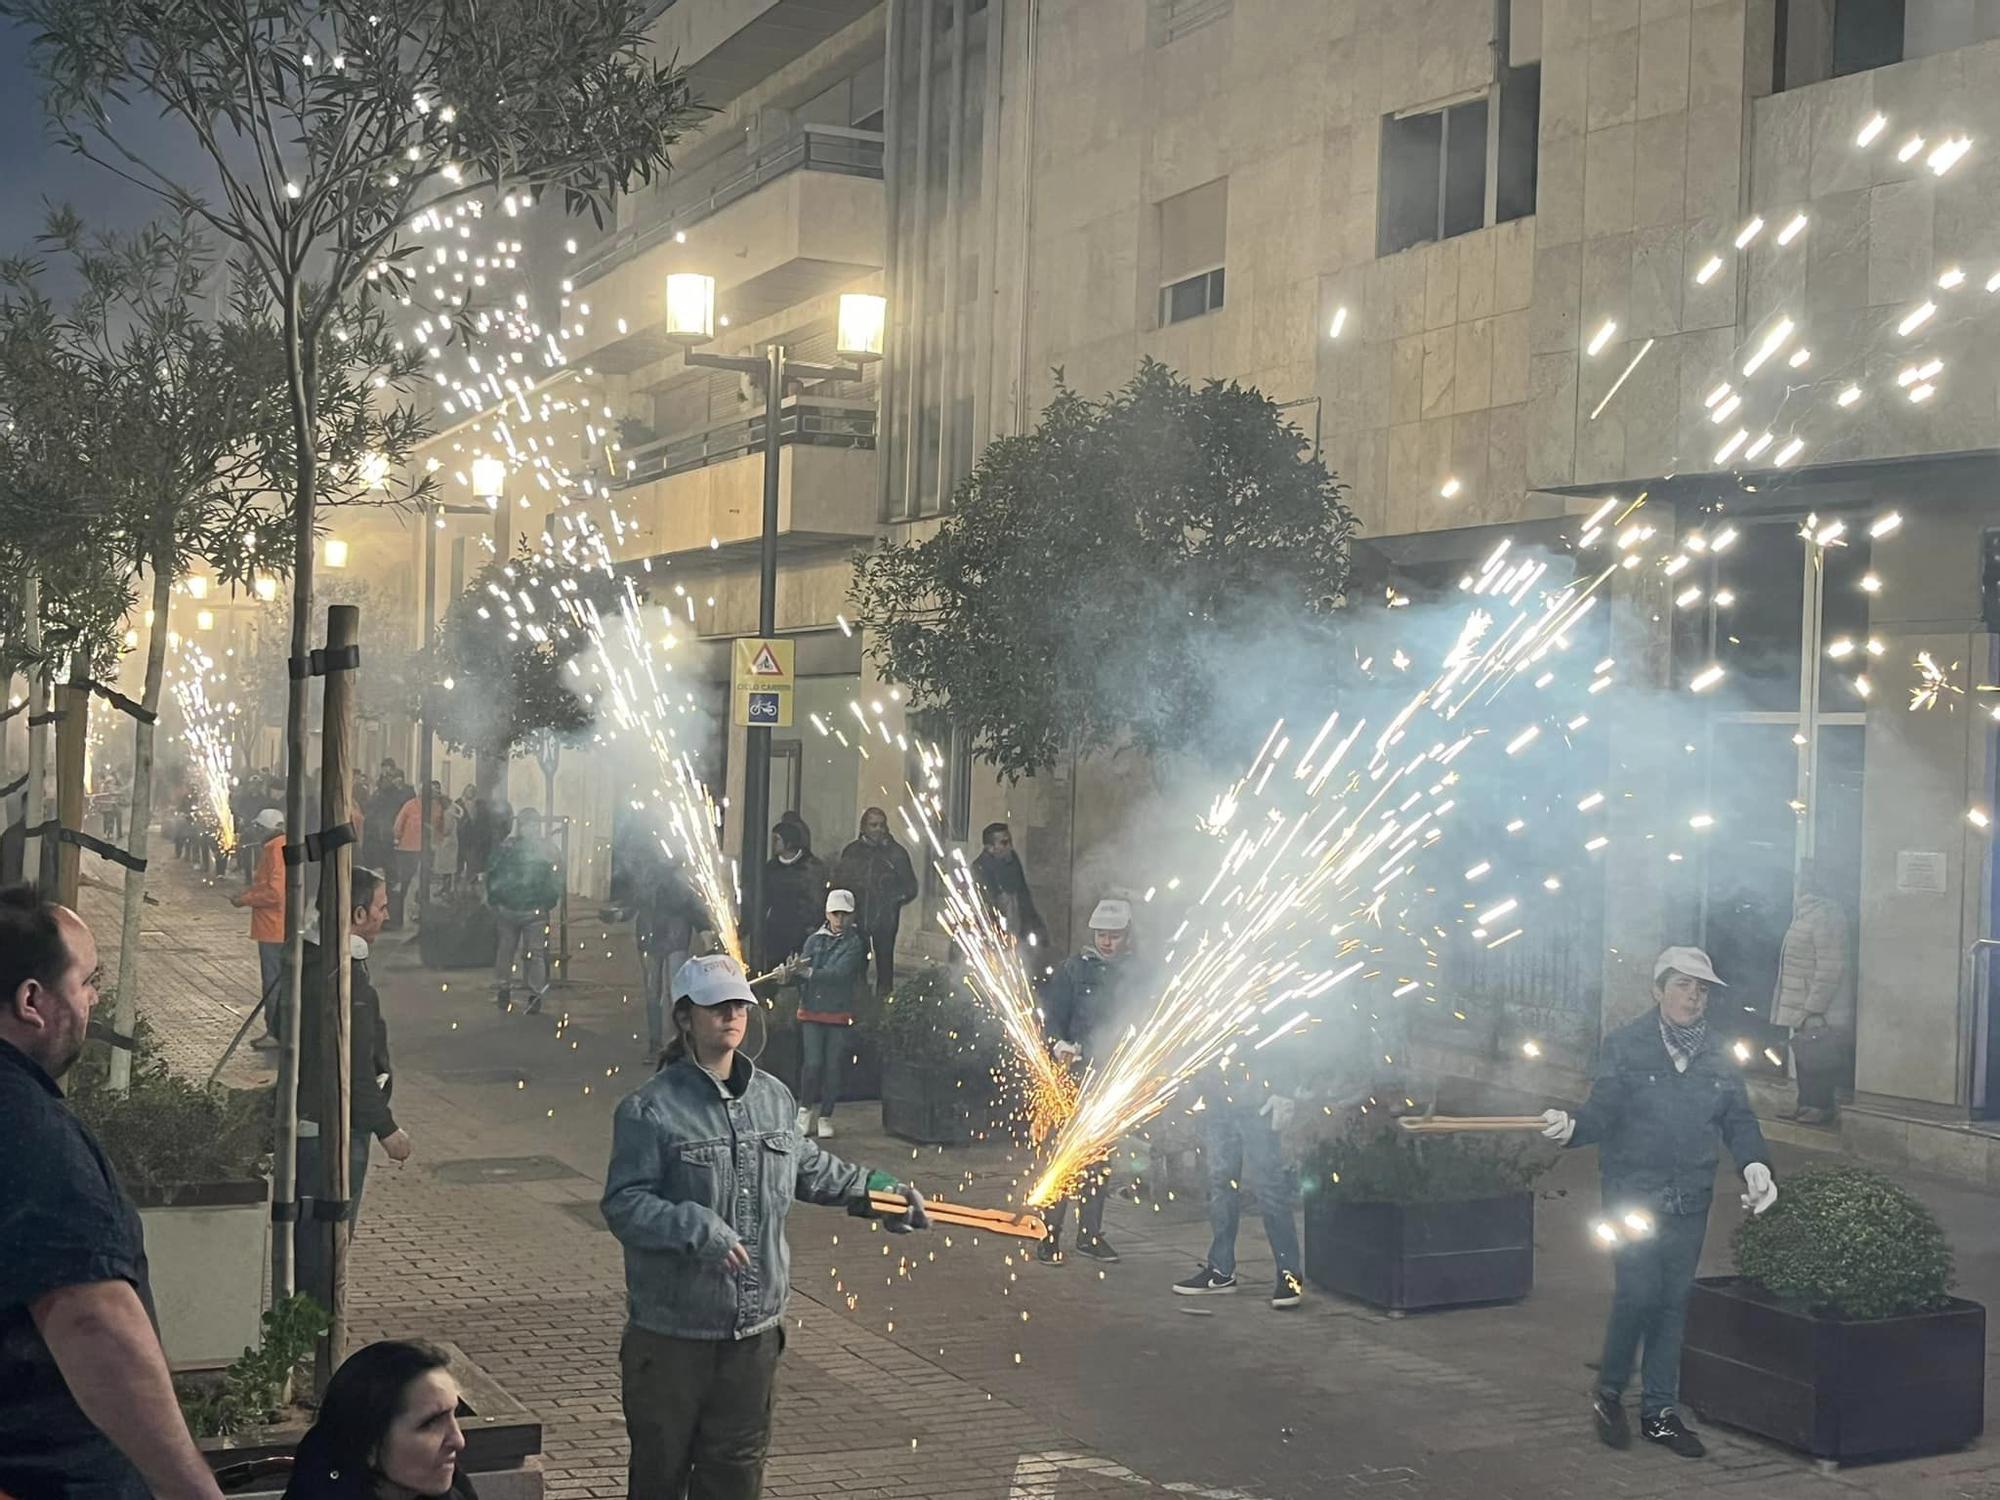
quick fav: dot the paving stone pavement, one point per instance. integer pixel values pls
(949, 1365)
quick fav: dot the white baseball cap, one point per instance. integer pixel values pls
(1111, 915)
(1689, 961)
(839, 901)
(712, 980)
(270, 820)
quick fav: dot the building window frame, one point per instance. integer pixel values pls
(1509, 116)
(1205, 288)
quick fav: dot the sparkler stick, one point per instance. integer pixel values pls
(993, 1220)
(1450, 1124)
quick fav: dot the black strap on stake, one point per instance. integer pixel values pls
(36, 721)
(118, 700)
(283, 1213)
(17, 784)
(319, 845)
(8, 713)
(323, 660)
(97, 846)
(329, 1210)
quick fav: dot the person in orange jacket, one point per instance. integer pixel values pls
(409, 835)
(265, 896)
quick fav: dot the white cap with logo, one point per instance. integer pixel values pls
(712, 980)
(839, 901)
(1689, 961)
(1111, 915)
(270, 820)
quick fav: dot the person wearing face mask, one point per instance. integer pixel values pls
(387, 1430)
(87, 1407)
(706, 1160)
(834, 960)
(1085, 1009)
(1665, 1091)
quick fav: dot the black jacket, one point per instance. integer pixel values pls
(368, 1049)
(1657, 1129)
(1091, 1002)
(881, 877)
(794, 907)
(1004, 884)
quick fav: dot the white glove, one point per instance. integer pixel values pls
(1067, 1051)
(1557, 1125)
(1279, 1109)
(1763, 1192)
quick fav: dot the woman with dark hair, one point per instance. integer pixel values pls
(387, 1430)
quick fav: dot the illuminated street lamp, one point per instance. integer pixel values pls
(859, 336)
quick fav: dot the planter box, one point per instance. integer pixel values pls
(1837, 1390)
(457, 935)
(503, 1443)
(208, 1246)
(925, 1103)
(1416, 1255)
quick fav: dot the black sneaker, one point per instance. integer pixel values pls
(1206, 1282)
(1666, 1430)
(1290, 1292)
(1614, 1430)
(504, 1000)
(1049, 1253)
(1097, 1247)
(265, 1042)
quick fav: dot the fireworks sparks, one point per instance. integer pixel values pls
(206, 722)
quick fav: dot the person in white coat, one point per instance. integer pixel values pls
(1815, 997)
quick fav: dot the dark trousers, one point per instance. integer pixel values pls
(312, 1271)
(698, 1413)
(882, 943)
(1089, 1218)
(271, 970)
(1820, 1057)
(823, 1052)
(1655, 1274)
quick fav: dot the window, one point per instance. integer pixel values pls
(1448, 171)
(1814, 40)
(1194, 231)
(1170, 20)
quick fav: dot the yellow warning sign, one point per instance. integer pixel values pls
(761, 683)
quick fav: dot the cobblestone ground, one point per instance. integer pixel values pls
(961, 1371)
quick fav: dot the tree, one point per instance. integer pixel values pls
(503, 672)
(173, 443)
(331, 127)
(1121, 574)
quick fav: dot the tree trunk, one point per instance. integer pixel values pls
(38, 730)
(138, 827)
(299, 369)
(72, 747)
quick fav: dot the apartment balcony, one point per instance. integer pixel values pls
(700, 495)
(799, 218)
(729, 45)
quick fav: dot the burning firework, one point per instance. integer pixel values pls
(210, 750)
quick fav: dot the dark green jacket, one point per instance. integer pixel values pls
(1657, 1129)
(524, 875)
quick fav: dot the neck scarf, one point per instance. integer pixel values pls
(1685, 1040)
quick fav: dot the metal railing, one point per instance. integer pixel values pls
(1545, 986)
(811, 148)
(822, 422)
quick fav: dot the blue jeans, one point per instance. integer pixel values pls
(823, 1051)
(1649, 1308)
(1242, 1147)
(309, 1267)
(271, 969)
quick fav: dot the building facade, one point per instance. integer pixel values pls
(1496, 258)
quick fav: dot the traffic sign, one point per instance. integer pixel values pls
(761, 683)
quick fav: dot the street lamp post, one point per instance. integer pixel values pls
(690, 322)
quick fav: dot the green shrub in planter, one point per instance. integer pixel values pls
(167, 1132)
(1846, 1242)
(929, 1018)
(255, 1389)
(1383, 1164)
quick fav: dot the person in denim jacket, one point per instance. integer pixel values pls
(833, 962)
(706, 1158)
(1665, 1091)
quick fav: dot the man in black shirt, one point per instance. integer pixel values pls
(87, 1409)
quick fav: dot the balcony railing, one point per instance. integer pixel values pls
(820, 422)
(810, 148)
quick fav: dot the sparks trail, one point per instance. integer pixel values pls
(1045, 1093)
(210, 748)
(1335, 830)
